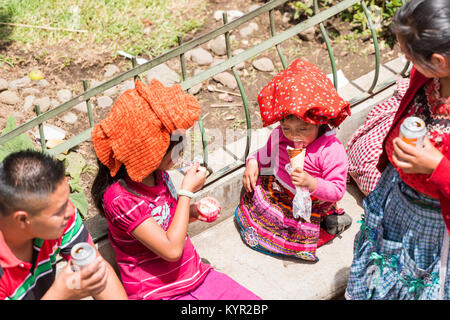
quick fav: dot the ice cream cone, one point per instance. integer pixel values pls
(297, 157)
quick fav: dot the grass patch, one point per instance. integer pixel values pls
(147, 27)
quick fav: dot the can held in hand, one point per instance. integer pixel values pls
(413, 131)
(83, 254)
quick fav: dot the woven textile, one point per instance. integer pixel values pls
(365, 145)
(302, 89)
(397, 253)
(266, 223)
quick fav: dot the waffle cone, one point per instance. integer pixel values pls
(297, 157)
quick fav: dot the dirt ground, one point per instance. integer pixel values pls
(355, 58)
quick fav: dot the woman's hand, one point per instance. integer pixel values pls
(250, 175)
(194, 179)
(302, 178)
(416, 160)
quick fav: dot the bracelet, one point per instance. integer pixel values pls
(185, 193)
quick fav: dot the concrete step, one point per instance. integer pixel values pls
(284, 278)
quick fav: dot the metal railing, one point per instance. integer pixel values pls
(230, 63)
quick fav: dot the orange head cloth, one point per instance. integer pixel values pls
(136, 132)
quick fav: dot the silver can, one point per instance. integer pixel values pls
(413, 131)
(83, 254)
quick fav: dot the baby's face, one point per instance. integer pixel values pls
(299, 131)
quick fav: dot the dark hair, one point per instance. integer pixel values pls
(27, 177)
(424, 27)
(104, 180)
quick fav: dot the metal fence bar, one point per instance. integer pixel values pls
(184, 48)
(230, 63)
(375, 44)
(37, 109)
(328, 44)
(278, 47)
(88, 105)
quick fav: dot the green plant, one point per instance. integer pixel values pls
(21, 142)
(74, 163)
(381, 11)
(75, 166)
(304, 9)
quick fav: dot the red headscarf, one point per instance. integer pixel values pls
(303, 90)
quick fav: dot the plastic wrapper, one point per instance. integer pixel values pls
(301, 204)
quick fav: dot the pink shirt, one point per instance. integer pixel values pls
(144, 274)
(325, 159)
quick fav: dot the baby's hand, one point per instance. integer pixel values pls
(250, 175)
(302, 178)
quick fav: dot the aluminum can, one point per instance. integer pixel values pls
(83, 254)
(413, 131)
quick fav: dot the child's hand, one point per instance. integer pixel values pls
(302, 178)
(89, 281)
(416, 160)
(194, 179)
(250, 175)
(194, 215)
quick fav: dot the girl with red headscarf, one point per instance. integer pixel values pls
(305, 102)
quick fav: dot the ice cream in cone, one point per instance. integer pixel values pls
(297, 157)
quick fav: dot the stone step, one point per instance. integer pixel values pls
(284, 278)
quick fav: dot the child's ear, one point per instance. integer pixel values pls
(21, 218)
(440, 61)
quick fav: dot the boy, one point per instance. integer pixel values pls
(38, 222)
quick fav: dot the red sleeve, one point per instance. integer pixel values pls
(440, 177)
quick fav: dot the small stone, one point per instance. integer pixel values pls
(164, 74)
(126, 85)
(54, 103)
(44, 103)
(64, 95)
(226, 97)
(94, 83)
(308, 34)
(81, 107)
(104, 102)
(195, 89)
(231, 14)
(111, 70)
(248, 30)
(263, 64)
(51, 132)
(253, 7)
(111, 91)
(9, 97)
(201, 56)
(227, 79)
(69, 117)
(241, 65)
(286, 17)
(43, 83)
(33, 91)
(28, 103)
(19, 83)
(230, 118)
(218, 46)
(216, 62)
(3, 84)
